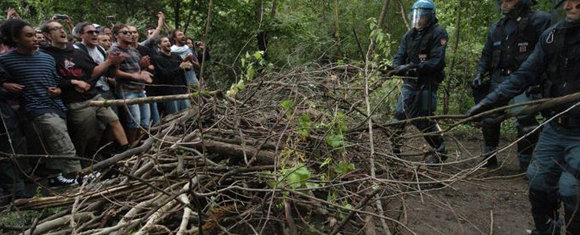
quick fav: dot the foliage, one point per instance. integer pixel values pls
(297, 32)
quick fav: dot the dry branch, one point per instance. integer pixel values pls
(276, 157)
(152, 99)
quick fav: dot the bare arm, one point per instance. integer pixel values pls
(160, 24)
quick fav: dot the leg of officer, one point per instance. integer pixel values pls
(491, 131)
(525, 125)
(543, 175)
(426, 106)
(403, 110)
(570, 184)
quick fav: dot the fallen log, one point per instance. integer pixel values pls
(47, 226)
(262, 157)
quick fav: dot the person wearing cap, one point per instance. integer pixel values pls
(420, 60)
(554, 173)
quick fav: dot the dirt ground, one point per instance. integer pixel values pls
(492, 202)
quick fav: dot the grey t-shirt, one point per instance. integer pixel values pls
(129, 65)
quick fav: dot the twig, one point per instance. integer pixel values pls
(362, 204)
(491, 222)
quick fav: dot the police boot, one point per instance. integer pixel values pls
(396, 140)
(572, 214)
(489, 157)
(545, 212)
(440, 154)
(572, 224)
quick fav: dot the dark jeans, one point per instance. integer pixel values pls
(554, 173)
(12, 141)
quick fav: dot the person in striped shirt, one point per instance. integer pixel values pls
(34, 76)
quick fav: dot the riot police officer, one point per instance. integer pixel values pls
(509, 42)
(554, 174)
(421, 54)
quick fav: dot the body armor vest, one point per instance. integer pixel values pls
(418, 53)
(420, 50)
(563, 71)
(510, 51)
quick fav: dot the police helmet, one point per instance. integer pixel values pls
(421, 8)
(518, 7)
(521, 2)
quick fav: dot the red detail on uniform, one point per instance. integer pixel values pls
(523, 49)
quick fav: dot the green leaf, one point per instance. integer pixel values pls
(343, 168)
(304, 125)
(327, 161)
(297, 176)
(240, 85)
(258, 55)
(287, 104)
(251, 72)
(335, 141)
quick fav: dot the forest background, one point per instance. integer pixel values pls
(309, 35)
(296, 33)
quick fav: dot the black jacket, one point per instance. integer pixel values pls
(75, 64)
(561, 63)
(425, 48)
(511, 40)
(167, 72)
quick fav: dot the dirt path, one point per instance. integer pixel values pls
(497, 200)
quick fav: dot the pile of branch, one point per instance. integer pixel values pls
(286, 155)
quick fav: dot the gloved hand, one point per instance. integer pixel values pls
(404, 69)
(479, 108)
(477, 81)
(534, 90)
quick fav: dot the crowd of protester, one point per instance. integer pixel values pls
(51, 72)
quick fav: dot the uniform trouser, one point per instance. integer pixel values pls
(525, 124)
(11, 141)
(554, 175)
(417, 100)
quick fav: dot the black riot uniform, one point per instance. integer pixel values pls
(554, 173)
(424, 51)
(509, 43)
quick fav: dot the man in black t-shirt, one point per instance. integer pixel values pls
(170, 70)
(80, 74)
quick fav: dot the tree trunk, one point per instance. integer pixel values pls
(206, 40)
(337, 28)
(447, 89)
(262, 36)
(189, 15)
(379, 25)
(404, 15)
(176, 9)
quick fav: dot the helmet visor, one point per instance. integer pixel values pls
(416, 15)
